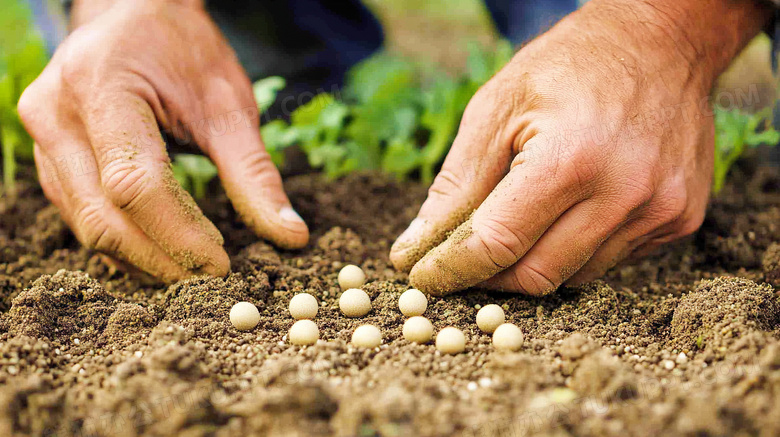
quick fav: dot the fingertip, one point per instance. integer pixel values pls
(284, 228)
(218, 265)
(430, 277)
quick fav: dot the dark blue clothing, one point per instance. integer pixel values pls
(312, 43)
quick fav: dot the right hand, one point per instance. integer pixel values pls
(102, 100)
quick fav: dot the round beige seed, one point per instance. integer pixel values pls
(490, 317)
(418, 329)
(412, 303)
(304, 333)
(351, 276)
(367, 336)
(354, 303)
(244, 316)
(450, 340)
(303, 306)
(508, 337)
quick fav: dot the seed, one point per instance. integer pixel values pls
(490, 317)
(412, 303)
(304, 333)
(303, 306)
(351, 276)
(450, 341)
(508, 337)
(244, 316)
(367, 336)
(354, 303)
(418, 329)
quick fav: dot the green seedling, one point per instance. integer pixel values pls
(22, 58)
(193, 172)
(735, 131)
(395, 116)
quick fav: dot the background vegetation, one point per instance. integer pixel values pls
(399, 111)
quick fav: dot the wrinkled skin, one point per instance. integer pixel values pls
(100, 101)
(594, 143)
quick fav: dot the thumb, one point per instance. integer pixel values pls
(477, 161)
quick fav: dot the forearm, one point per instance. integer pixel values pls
(703, 35)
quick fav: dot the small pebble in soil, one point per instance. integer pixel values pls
(303, 306)
(451, 340)
(351, 276)
(367, 336)
(412, 303)
(507, 337)
(490, 317)
(354, 303)
(304, 333)
(418, 329)
(244, 316)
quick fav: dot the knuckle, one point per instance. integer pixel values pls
(445, 184)
(637, 192)
(127, 184)
(28, 105)
(73, 70)
(534, 280)
(94, 231)
(690, 223)
(502, 246)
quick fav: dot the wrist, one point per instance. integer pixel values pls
(701, 37)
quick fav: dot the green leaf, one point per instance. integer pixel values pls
(735, 129)
(198, 169)
(265, 91)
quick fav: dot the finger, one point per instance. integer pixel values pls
(137, 178)
(509, 222)
(671, 214)
(97, 223)
(563, 249)
(250, 178)
(476, 162)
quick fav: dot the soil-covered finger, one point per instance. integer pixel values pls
(136, 176)
(507, 224)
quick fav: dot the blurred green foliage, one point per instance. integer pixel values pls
(22, 58)
(393, 115)
(736, 130)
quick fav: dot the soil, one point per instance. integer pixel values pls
(684, 342)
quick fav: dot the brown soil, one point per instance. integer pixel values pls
(681, 343)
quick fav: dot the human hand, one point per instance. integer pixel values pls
(105, 94)
(569, 157)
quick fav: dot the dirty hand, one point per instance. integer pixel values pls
(594, 143)
(95, 114)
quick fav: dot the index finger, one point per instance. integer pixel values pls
(135, 172)
(527, 201)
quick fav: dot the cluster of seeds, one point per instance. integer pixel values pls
(354, 302)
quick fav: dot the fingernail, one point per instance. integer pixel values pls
(411, 233)
(289, 215)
